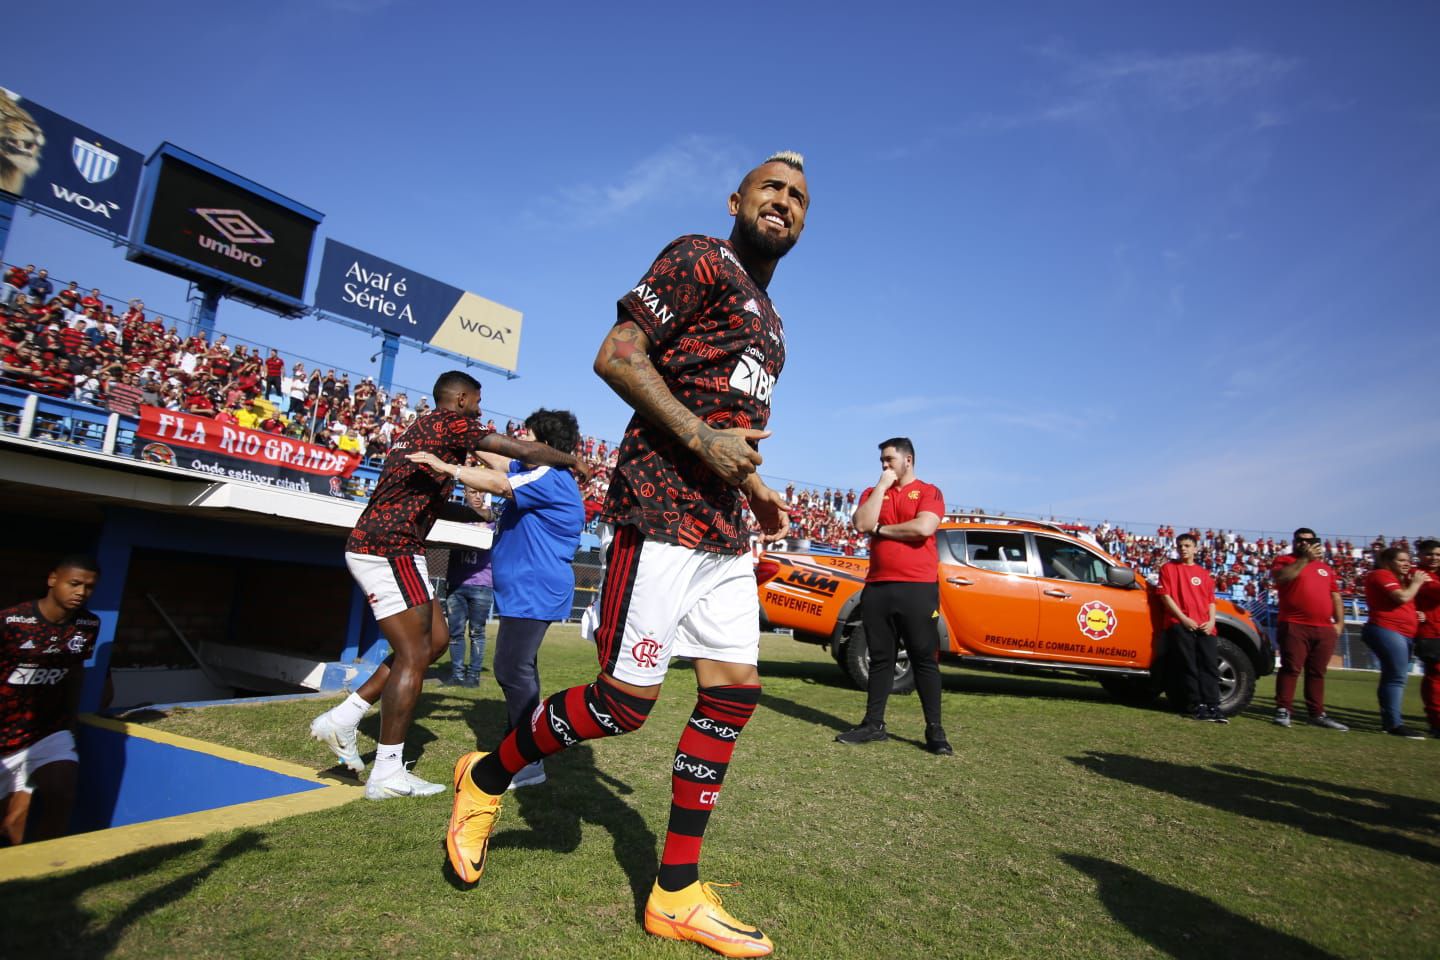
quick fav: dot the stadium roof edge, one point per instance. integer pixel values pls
(35, 465)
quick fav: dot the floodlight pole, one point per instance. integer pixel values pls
(389, 350)
(202, 316)
(7, 214)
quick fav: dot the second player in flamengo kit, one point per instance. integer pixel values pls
(43, 647)
(386, 556)
(695, 351)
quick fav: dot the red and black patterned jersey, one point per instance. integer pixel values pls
(408, 496)
(37, 659)
(719, 344)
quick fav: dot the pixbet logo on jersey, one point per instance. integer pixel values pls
(238, 228)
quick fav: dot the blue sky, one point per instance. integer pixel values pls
(1103, 260)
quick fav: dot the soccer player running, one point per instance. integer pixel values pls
(43, 647)
(695, 351)
(386, 556)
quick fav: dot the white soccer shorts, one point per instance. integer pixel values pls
(661, 600)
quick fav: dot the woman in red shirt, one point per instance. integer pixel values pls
(1427, 638)
(1390, 591)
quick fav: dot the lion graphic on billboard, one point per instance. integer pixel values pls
(21, 141)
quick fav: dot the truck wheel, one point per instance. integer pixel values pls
(1135, 690)
(1237, 677)
(857, 663)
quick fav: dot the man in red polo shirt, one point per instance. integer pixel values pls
(1187, 593)
(1312, 620)
(901, 513)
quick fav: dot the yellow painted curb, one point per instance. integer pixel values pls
(88, 849)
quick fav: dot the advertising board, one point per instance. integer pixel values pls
(56, 163)
(368, 289)
(203, 222)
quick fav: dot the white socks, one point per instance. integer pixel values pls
(351, 712)
(388, 760)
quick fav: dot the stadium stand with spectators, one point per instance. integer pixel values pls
(73, 346)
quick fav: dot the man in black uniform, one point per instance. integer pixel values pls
(695, 351)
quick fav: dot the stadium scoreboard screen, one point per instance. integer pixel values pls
(205, 223)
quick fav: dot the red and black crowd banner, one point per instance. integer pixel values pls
(232, 452)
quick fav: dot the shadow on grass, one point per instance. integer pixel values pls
(977, 683)
(1182, 924)
(575, 792)
(1318, 808)
(44, 917)
(808, 714)
(824, 671)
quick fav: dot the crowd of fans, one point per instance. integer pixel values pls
(1240, 566)
(71, 344)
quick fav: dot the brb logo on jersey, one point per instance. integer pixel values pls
(1097, 620)
(749, 377)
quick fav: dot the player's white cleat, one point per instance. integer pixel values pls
(402, 784)
(529, 776)
(340, 740)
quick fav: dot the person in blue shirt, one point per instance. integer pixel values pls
(535, 543)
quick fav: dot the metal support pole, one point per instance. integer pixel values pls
(27, 416)
(203, 315)
(389, 350)
(112, 433)
(7, 214)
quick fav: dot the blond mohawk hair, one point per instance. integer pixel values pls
(791, 158)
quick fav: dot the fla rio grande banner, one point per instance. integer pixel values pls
(368, 289)
(230, 452)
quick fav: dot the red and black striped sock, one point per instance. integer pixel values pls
(700, 764)
(587, 712)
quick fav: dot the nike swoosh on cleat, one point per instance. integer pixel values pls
(744, 933)
(667, 916)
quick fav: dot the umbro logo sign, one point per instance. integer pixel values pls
(235, 225)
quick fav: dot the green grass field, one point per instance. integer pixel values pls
(1066, 825)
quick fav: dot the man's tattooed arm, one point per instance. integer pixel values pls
(624, 363)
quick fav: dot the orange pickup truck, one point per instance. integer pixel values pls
(1015, 595)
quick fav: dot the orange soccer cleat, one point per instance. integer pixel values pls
(695, 914)
(472, 820)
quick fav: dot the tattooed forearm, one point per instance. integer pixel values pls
(624, 363)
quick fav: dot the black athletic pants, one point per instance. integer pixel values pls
(517, 670)
(910, 610)
(1193, 654)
